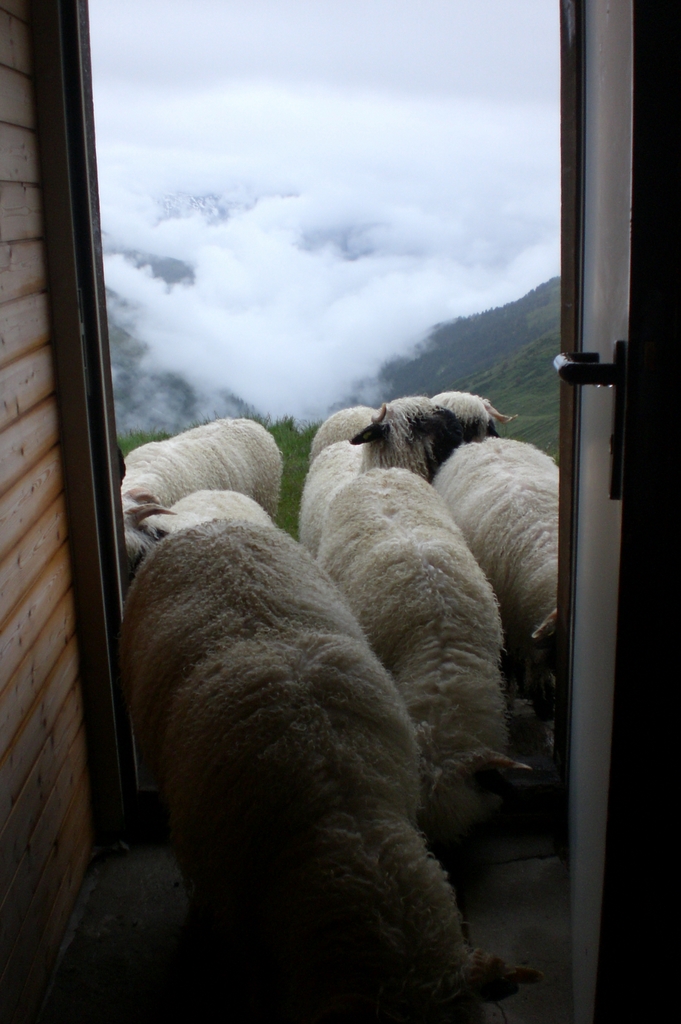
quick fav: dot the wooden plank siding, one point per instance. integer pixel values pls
(20, 211)
(18, 154)
(15, 37)
(22, 504)
(20, 692)
(26, 440)
(68, 863)
(50, 906)
(27, 561)
(24, 325)
(30, 836)
(22, 269)
(24, 383)
(58, 707)
(16, 98)
(46, 830)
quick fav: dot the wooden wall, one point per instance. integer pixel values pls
(46, 830)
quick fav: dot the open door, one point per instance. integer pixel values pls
(621, 231)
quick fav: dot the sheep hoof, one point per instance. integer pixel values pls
(527, 975)
(493, 979)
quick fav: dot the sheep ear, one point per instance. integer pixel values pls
(374, 432)
(491, 429)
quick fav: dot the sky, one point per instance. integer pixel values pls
(340, 175)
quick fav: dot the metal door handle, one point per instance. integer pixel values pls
(581, 368)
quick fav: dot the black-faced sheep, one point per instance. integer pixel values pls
(392, 547)
(290, 771)
(477, 415)
(410, 433)
(504, 496)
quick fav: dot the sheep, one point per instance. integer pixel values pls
(203, 506)
(390, 544)
(140, 538)
(226, 454)
(332, 468)
(410, 433)
(476, 415)
(504, 496)
(342, 426)
(289, 767)
(199, 507)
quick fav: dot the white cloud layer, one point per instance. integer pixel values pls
(359, 210)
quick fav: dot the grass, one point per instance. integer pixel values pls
(135, 438)
(294, 441)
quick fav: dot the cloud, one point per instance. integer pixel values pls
(339, 221)
(484, 48)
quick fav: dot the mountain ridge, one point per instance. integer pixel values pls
(468, 345)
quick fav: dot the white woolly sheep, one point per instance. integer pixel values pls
(410, 433)
(342, 426)
(392, 547)
(227, 454)
(204, 506)
(332, 468)
(224, 455)
(199, 507)
(504, 496)
(140, 538)
(289, 767)
(476, 414)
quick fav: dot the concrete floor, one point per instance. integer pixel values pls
(119, 958)
(119, 950)
(516, 903)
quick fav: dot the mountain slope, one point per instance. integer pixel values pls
(525, 385)
(469, 345)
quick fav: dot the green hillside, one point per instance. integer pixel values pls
(471, 344)
(527, 385)
(504, 354)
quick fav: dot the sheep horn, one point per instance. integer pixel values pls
(496, 414)
(139, 495)
(144, 511)
(380, 415)
(547, 627)
(501, 761)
